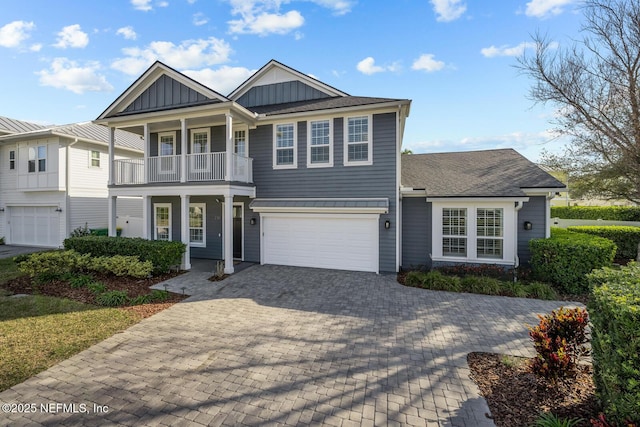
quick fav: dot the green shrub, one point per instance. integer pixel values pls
(158, 295)
(550, 420)
(80, 281)
(112, 298)
(2, 240)
(542, 291)
(608, 213)
(437, 281)
(121, 265)
(559, 341)
(80, 231)
(615, 317)
(414, 278)
(140, 299)
(97, 287)
(481, 285)
(514, 289)
(53, 262)
(566, 258)
(626, 238)
(163, 255)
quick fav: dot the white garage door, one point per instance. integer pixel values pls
(35, 225)
(321, 240)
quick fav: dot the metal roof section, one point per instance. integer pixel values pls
(8, 125)
(161, 87)
(328, 205)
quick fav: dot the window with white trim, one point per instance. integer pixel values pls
(197, 232)
(357, 146)
(240, 143)
(199, 145)
(12, 159)
(167, 149)
(285, 147)
(319, 143)
(37, 159)
(94, 159)
(162, 221)
(454, 232)
(489, 232)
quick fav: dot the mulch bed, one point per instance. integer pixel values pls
(134, 288)
(516, 396)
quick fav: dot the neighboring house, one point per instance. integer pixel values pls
(289, 170)
(54, 179)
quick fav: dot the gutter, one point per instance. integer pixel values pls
(518, 205)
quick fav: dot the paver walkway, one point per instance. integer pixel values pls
(287, 346)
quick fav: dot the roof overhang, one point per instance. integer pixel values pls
(477, 199)
(543, 191)
(391, 106)
(45, 133)
(327, 205)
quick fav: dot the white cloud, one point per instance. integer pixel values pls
(127, 32)
(72, 36)
(143, 5)
(545, 8)
(223, 80)
(163, 4)
(188, 54)
(427, 63)
(67, 74)
(14, 33)
(368, 66)
(199, 19)
(35, 47)
(505, 50)
(448, 10)
(267, 23)
(339, 7)
(191, 1)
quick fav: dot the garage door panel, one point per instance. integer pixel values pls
(34, 225)
(345, 243)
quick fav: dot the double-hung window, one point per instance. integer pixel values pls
(357, 147)
(37, 159)
(166, 151)
(94, 159)
(162, 223)
(489, 232)
(454, 232)
(285, 152)
(240, 143)
(12, 159)
(197, 215)
(199, 148)
(320, 143)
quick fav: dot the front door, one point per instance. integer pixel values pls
(237, 231)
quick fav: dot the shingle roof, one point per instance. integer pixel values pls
(321, 104)
(489, 173)
(8, 125)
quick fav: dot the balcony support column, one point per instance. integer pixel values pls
(112, 156)
(184, 230)
(146, 218)
(183, 152)
(228, 234)
(147, 153)
(112, 215)
(228, 173)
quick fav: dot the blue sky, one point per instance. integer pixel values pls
(65, 61)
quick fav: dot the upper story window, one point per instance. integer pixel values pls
(199, 141)
(37, 159)
(12, 159)
(285, 147)
(94, 160)
(320, 143)
(357, 147)
(167, 144)
(240, 143)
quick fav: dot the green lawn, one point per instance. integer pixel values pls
(8, 270)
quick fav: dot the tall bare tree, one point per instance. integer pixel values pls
(595, 86)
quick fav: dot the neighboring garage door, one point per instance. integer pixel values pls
(343, 242)
(34, 225)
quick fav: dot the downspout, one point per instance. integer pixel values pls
(518, 206)
(67, 186)
(398, 183)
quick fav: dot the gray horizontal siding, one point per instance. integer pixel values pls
(377, 180)
(251, 232)
(416, 233)
(280, 93)
(533, 211)
(164, 93)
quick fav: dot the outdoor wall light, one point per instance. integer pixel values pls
(252, 221)
(58, 209)
(528, 225)
(387, 224)
(1, 209)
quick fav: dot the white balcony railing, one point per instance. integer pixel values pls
(200, 167)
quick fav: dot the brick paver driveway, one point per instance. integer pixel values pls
(288, 346)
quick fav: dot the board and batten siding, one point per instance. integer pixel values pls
(280, 93)
(416, 233)
(535, 212)
(371, 181)
(164, 93)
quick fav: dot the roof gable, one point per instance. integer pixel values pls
(276, 76)
(160, 88)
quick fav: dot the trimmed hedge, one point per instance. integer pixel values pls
(615, 316)
(608, 213)
(163, 255)
(625, 237)
(566, 258)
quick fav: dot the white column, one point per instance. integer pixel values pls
(183, 153)
(228, 176)
(228, 234)
(184, 227)
(147, 152)
(112, 143)
(146, 218)
(112, 215)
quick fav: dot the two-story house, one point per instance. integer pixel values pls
(289, 170)
(53, 179)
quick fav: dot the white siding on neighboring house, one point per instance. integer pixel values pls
(53, 177)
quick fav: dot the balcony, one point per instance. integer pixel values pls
(200, 168)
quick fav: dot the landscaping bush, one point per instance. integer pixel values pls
(566, 258)
(609, 213)
(112, 298)
(163, 255)
(514, 289)
(615, 317)
(481, 285)
(52, 263)
(541, 290)
(626, 238)
(433, 280)
(121, 265)
(559, 342)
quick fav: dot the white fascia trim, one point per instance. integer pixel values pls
(179, 190)
(542, 191)
(473, 261)
(319, 210)
(387, 107)
(476, 199)
(410, 192)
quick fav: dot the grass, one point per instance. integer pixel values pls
(8, 270)
(36, 332)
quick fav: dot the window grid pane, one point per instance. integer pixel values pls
(358, 152)
(358, 129)
(166, 145)
(454, 222)
(240, 142)
(162, 223)
(490, 223)
(319, 154)
(454, 246)
(196, 224)
(200, 142)
(489, 248)
(95, 158)
(284, 156)
(284, 136)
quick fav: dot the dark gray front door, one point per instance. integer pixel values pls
(237, 231)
